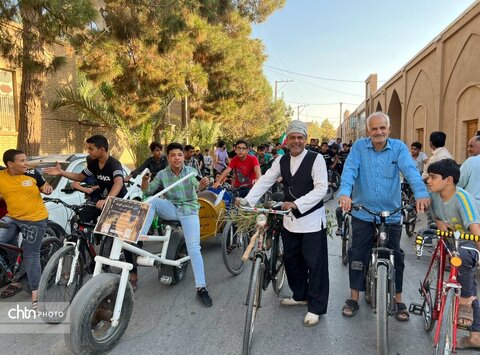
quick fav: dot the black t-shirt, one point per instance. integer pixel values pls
(105, 176)
(328, 156)
(343, 156)
(153, 165)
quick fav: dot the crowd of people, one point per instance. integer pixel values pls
(370, 170)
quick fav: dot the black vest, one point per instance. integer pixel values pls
(299, 184)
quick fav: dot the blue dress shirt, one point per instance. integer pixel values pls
(372, 178)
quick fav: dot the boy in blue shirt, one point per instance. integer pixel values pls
(455, 209)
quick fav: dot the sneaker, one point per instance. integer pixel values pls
(311, 319)
(292, 302)
(202, 296)
(339, 231)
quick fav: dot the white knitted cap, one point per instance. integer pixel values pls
(297, 127)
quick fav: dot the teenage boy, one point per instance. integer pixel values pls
(181, 204)
(20, 188)
(246, 170)
(419, 157)
(454, 209)
(155, 163)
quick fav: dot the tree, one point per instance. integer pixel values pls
(146, 54)
(94, 104)
(327, 131)
(43, 23)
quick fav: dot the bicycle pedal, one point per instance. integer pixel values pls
(416, 309)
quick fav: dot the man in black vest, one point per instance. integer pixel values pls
(304, 178)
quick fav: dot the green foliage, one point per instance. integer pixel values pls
(324, 132)
(94, 104)
(158, 50)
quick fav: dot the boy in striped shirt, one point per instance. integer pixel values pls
(455, 209)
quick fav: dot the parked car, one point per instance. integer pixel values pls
(58, 214)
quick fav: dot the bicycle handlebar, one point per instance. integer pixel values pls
(382, 213)
(437, 233)
(72, 207)
(264, 210)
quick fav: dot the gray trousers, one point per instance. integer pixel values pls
(33, 233)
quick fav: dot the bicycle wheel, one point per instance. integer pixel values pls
(253, 302)
(329, 194)
(429, 293)
(382, 309)
(278, 265)
(346, 239)
(233, 247)
(445, 340)
(335, 181)
(54, 298)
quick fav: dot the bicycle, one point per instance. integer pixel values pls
(267, 258)
(380, 278)
(63, 274)
(12, 268)
(441, 297)
(409, 217)
(333, 184)
(101, 310)
(234, 241)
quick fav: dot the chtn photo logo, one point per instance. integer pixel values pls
(22, 313)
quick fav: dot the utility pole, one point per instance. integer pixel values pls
(341, 123)
(276, 88)
(299, 110)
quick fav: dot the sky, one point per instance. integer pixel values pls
(345, 40)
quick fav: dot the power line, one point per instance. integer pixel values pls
(320, 104)
(316, 77)
(319, 77)
(324, 88)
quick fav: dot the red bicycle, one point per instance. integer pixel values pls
(441, 296)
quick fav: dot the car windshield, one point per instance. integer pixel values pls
(52, 180)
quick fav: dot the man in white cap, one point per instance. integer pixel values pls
(305, 183)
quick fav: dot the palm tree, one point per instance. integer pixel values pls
(95, 105)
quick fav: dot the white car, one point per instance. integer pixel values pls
(59, 216)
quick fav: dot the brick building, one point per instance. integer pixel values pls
(438, 89)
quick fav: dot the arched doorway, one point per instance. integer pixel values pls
(395, 114)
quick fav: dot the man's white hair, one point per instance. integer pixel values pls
(378, 114)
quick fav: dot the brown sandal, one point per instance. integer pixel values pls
(350, 308)
(10, 291)
(465, 316)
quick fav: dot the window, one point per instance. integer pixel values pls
(7, 101)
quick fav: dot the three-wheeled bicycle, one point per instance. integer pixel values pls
(101, 310)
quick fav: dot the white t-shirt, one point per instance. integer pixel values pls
(419, 162)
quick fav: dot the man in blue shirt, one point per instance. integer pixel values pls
(371, 176)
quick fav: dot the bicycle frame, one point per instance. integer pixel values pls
(442, 286)
(12, 274)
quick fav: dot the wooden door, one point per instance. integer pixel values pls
(420, 137)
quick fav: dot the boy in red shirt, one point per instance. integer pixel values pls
(246, 170)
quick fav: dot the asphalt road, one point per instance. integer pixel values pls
(169, 320)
